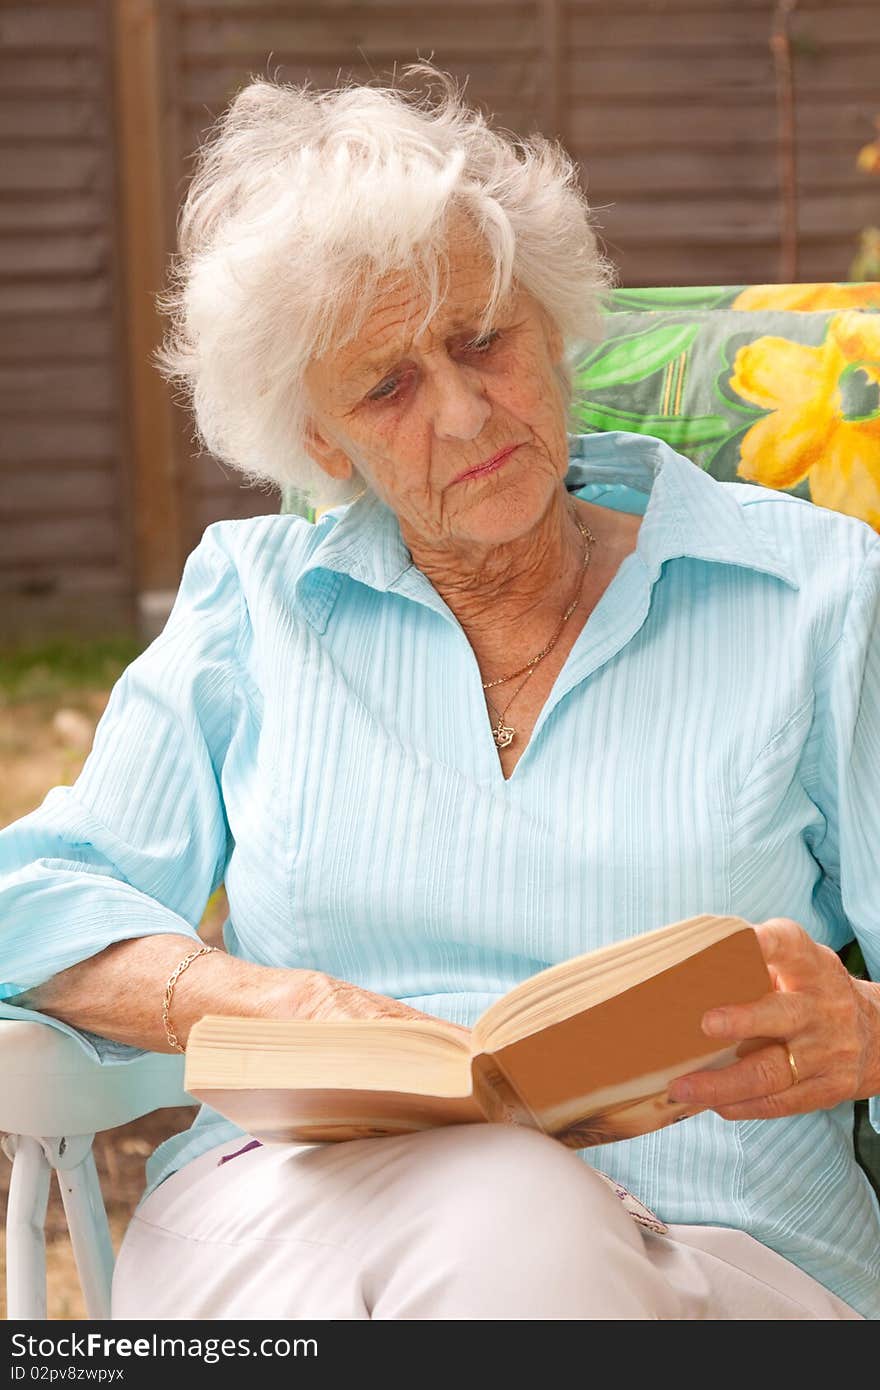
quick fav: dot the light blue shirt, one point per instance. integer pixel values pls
(310, 727)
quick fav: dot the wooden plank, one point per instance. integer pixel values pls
(834, 74)
(668, 8)
(35, 75)
(829, 26)
(55, 544)
(84, 611)
(74, 168)
(600, 75)
(824, 214)
(53, 576)
(57, 443)
(711, 221)
(48, 27)
(120, 376)
(637, 221)
(52, 211)
(54, 297)
(676, 9)
(628, 125)
(652, 26)
(727, 265)
(312, 32)
(54, 255)
(732, 27)
(823, 262)
(335, 10)
(70, 492)
(722, 105)
(702, 172)
(40, 118)
(672, 10)
(175, 171)
(747, 220)
(157, 501)
(553, 69)
(697, 173)
(71, 390)
(734, 264)
(63, 338)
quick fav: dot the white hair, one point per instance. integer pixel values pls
(302, 199)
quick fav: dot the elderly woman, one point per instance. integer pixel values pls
(518, 694)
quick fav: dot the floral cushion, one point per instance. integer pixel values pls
(770, 384)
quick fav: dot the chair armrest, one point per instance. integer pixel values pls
(51, 1086)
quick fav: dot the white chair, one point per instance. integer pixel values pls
(53, 1100)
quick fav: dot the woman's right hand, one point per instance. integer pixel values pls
(321, 996)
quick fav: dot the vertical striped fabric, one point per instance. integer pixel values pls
(311, 727)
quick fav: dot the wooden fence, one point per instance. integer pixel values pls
(672, 107)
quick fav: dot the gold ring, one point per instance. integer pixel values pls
(793, 1065)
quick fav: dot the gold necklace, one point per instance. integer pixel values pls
(502, 733)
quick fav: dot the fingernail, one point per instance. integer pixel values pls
(678, 1091)
(714, 1023)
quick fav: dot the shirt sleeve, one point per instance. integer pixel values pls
(847, 766)
(140, 841)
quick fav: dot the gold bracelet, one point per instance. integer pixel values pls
(169, 990)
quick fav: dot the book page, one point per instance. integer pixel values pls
(583, 981)
(602, 1074)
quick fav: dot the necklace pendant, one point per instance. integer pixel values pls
(503, 735)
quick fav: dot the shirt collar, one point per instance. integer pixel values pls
(688, 513)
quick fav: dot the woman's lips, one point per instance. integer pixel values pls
(489, 467)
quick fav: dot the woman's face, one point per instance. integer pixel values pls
(415, 415)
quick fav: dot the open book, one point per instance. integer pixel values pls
(584, 1050)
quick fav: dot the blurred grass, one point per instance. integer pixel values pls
(52, 670)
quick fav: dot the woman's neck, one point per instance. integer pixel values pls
(515, 591)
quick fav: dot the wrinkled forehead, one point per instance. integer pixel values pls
(453, 281)
(451, 292)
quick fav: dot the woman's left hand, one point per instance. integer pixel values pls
(828, 1020)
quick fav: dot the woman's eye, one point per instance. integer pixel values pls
(386, 391)
(480, 345)
(389, 389)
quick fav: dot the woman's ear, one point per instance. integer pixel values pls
(327, 455)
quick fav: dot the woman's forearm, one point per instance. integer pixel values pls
(119, 993)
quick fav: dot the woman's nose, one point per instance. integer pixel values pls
(459, 403)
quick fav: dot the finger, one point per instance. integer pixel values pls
(762, 1073)
(778, 1015)
(784, 943)
(797, 1100)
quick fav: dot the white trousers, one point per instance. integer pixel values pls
(463, 1222)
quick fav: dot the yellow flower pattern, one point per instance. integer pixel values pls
(807, 298)
(824, 414)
